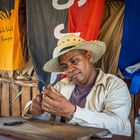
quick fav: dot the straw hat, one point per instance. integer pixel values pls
(73, 42)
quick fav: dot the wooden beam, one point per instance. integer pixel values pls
(19, 82)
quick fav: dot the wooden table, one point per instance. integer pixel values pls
(45, 130)
(115, 137)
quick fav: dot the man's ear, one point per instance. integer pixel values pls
(89, 56)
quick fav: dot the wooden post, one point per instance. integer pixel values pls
(15, 102)
(5, 111)
(25, 96)
(35, 91)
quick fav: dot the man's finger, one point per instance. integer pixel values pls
(47, 99)
(51, 94)
(39, 98)
(36, 105)
(48, 108)
(52, 89)
(36, 110)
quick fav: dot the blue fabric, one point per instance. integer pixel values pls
(135, 84)
(130, 51)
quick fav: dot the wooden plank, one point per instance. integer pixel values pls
(25, 96)
(5, 111)
(131, 115)
(19, 82)
(137, 104)
(35, 91)
(15, 102)
(45, 130)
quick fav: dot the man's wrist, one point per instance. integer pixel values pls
(67, 119)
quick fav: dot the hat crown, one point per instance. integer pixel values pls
(69, 40)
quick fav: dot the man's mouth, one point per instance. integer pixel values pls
(74, 76)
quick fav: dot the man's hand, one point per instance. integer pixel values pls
(36, 107)
(56, 103)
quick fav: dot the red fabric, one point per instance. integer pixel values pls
(62, 76)
(86, 19)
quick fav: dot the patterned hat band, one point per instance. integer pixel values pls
(67, 48)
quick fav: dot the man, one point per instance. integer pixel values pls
(87, 96)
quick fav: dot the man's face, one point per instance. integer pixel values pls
(77, 65)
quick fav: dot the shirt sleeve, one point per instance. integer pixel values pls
(114, 116)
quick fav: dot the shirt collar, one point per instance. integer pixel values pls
(101, 78)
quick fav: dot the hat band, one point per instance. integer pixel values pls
(69, 47)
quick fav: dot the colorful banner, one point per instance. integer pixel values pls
(10, 46)
(48, 20)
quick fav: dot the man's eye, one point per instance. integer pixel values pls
(64, 67)
(74, 61)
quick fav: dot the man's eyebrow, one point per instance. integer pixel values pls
(68, 60)
(72, 58)
(62, 64)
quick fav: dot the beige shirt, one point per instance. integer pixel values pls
(107, 105)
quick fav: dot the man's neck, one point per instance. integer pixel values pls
(93, 77)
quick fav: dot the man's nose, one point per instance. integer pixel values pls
(71, 68)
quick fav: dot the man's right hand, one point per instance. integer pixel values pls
(36, 108)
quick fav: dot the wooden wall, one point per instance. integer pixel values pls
(14, 95)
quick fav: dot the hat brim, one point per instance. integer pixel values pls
(96, 47)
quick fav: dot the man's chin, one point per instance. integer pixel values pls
(77, 81)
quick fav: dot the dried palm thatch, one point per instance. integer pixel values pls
(111, 34)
